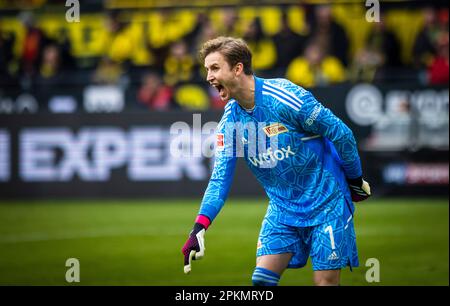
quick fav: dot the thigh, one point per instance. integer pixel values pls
(327, 277)
(276, 238)
(333, 245)
(279, 239)
(276, 263)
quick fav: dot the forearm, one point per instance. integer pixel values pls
(218, 187)
(347, 149)
(214, 198)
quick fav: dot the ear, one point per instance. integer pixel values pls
(238, 69)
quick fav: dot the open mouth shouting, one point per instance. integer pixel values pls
(223, 93)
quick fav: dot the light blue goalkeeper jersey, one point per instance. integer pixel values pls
(298, 150)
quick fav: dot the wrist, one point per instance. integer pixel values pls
(197, 228)
(203, 220)
(356, 181)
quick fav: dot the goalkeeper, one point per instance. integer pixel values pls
(301, 153)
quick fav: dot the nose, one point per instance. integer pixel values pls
(209, 77)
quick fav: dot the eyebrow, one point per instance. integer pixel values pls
(213, 64)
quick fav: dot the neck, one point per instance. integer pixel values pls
(246, 92)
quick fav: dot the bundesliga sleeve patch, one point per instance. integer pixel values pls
(220, 142)
(275, 129)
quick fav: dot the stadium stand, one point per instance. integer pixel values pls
(121, 44)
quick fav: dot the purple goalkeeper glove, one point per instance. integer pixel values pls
(359, 189)
(194, 248)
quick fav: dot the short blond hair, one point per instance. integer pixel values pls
(235, 50)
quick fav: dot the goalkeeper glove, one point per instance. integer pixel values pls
(359, 188)
(194, 248)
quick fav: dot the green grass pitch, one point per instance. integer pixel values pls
(137, 242)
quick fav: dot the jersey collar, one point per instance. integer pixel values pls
(258, 90)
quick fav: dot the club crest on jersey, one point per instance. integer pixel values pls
(275, 129)
(220, 142)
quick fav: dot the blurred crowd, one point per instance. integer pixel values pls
(168, 71)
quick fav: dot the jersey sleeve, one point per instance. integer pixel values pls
(315, 118)
(224, 165)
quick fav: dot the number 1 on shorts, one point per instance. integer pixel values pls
(329, 229)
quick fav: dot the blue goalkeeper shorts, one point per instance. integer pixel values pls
(331, 245)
